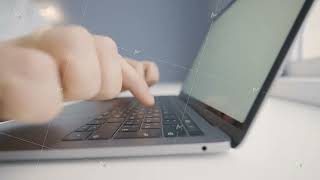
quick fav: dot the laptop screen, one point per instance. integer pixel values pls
(239, 50)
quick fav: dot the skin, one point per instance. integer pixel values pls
(40, 71)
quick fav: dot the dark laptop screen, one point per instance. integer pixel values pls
(238, 53)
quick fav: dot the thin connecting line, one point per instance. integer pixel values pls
(47, 130)
(24, 140)
(163, 60)
(218, 7)
(84, 10)
(188, 99)
(160, 60)
(172, 64)
(195, 77)
(44, 141)
(176, 65)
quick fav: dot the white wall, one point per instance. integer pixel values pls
(18, 17)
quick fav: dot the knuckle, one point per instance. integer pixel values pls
(77, 30)
(155, 78)
(109, 42)
(152, 80)
(150, 64)
(153, 68)
(153, 65)
(62, 42)
(76, 36)
(37, 64)
(139, 66)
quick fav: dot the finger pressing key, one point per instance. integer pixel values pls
(136, 84)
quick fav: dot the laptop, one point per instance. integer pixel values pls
(244, 47)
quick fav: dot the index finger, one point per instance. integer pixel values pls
(132, 81)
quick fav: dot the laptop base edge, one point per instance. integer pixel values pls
(116, 152)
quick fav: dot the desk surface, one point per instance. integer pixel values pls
(283, 143)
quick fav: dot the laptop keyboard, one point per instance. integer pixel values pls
(136, 121)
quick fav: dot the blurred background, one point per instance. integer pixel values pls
(168, 32)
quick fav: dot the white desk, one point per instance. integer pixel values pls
(284, 143)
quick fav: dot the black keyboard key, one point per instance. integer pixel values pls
(118, 116)
(180, 130)
(193, 130)
(93, 128)
(165, 112)
(131, 125)
(100, 117)
(115, 120)
(96, 122)
(133, 122)
(173, 130)
(105, 113)
(169, 116)
(192, 127)
(169, 131)
(156, 115)
(126, 135)
(76, 136)
(83, 128)
(149, 133)
(129, 128)
(105, 132)
(187, 121)
(145, 133)
(152, 120)
(153, 115)
(139, 116)
(151, 126)
(170, 121)
(181, 133)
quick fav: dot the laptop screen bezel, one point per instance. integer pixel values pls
(238, 131)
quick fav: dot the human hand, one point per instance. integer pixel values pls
(40, 71)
